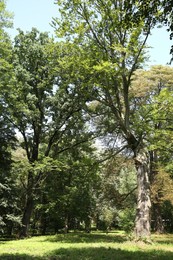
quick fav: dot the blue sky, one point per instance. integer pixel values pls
(32, 13)
(39, 13)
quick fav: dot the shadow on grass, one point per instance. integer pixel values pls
(20, 257)
(2, 242)
(107, 254)
(94, 254)
(164, 242)
(164, 239)
(87, 238)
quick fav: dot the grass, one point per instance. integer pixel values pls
(94, 246)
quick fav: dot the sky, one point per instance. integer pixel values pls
(39, 13)
(32, 13)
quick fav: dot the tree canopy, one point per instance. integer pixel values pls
(58, 97)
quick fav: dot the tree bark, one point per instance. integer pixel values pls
(43, 225)
(142, 221)
(158, 225)
(29, 205)
(27, 216)
(88, 224)
(66, 224)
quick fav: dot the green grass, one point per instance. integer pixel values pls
(94, 246)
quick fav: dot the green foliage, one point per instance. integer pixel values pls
(126, 219)
(152, 91)
(67, 194)
(10, 214)
(117, 194)
(112, 52)
(5, 16)
(9, 203)
(161, 187)
(56, 94)
(167, 215)
(152, 95)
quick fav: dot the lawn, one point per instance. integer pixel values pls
(97, 246)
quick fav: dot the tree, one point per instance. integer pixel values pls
(158, 11)
(8, 207)
(43, 107)
(117, 194)
(114, 42)
(153, 90)
(161, 190)
(67, 194)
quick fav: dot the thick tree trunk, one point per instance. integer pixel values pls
(142, 221)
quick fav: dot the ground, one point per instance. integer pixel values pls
(81, 246)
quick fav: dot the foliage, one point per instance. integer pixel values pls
(117, 194)
(60, 95)
(126, 219)
(113, 35)
(46, 108)
(8, 191)
(162, 201)
(67, 194)
(152, 90)
(161, 187)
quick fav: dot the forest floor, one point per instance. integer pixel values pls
(82, 246)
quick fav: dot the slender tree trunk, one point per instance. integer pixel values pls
(29, 205)
(142, 221)
(88, 224)
(9, 229)
(27, 216)
(66, 224)
(43, 225)
(158, 225)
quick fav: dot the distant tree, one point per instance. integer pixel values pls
(67, 194)
(153, 91)
(161, 194)
(117, 194)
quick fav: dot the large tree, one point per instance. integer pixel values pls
(44, 108)
(113, 34)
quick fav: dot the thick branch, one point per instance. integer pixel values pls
(26, 145)
(56, 131)
(76, 144)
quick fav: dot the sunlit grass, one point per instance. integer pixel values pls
(97, 245)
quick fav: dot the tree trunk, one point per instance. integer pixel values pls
(142, 221)
(27, 216)
(88, 224)
(66, 223)
(44, 226)
(158, 225)
(29, 205)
